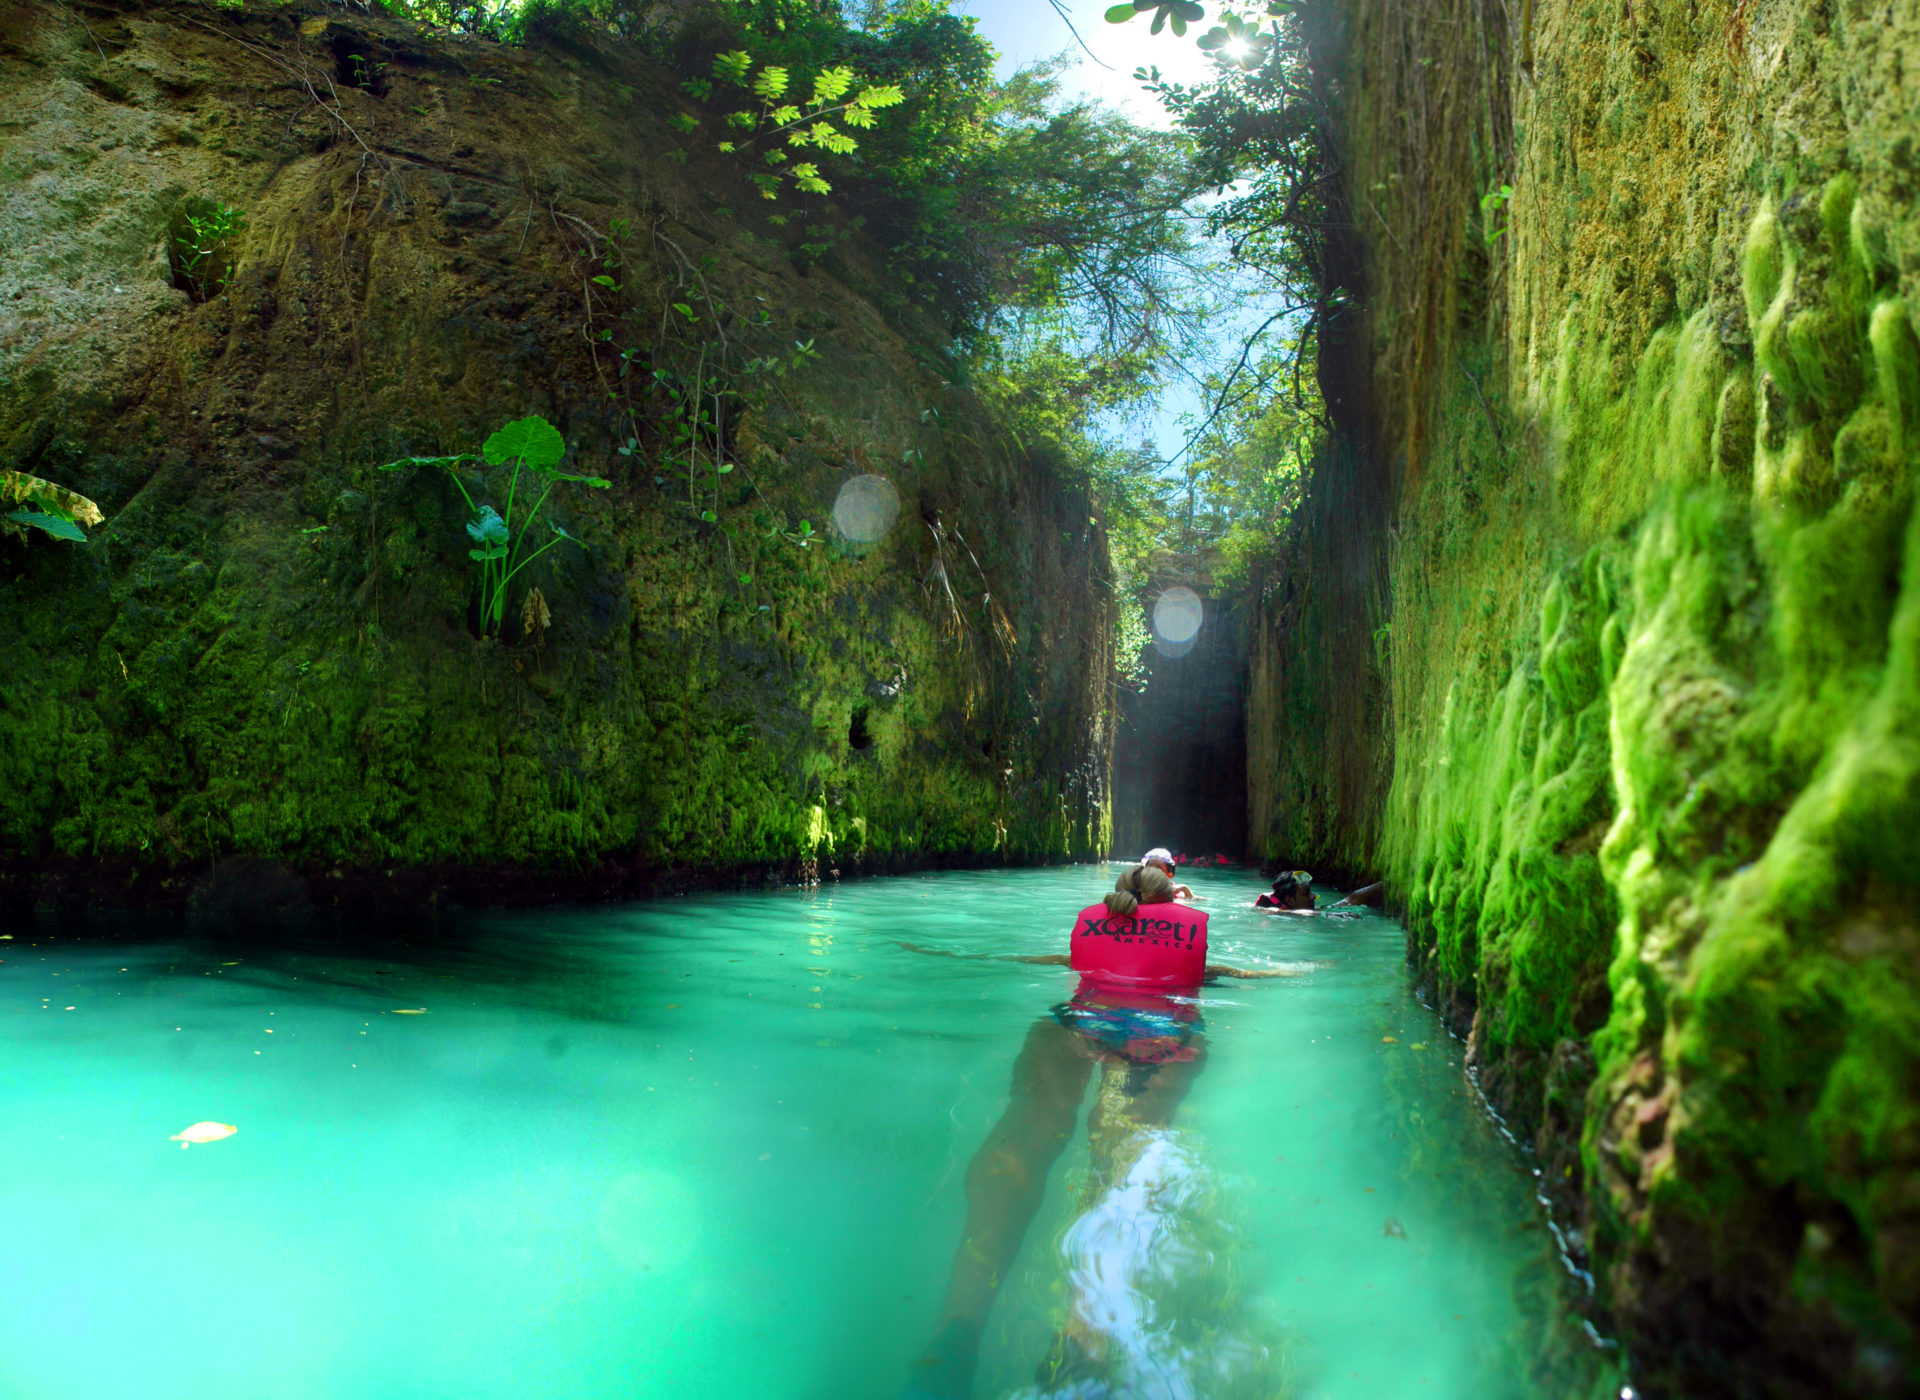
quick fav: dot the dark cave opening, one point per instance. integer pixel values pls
(1180, 766)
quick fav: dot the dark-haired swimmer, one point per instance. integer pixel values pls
(1292, 894)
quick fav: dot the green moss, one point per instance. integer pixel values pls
(1692, 760)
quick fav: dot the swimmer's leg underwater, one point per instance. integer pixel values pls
(1006, 1181)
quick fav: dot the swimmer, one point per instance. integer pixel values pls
(1135, 1014)
(1292, 894)
(1161, 859)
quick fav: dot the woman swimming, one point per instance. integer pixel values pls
(1142, 959)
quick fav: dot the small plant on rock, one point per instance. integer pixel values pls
(779, 116)
(200, 248)
(43, 506)
(533, 448)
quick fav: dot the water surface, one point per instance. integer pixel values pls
(716, 1146)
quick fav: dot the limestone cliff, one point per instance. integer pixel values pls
(269, 658)
(1642, 403)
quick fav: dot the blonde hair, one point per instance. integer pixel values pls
(1143, 884)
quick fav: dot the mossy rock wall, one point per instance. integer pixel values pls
(1653, 640)
(266, 659)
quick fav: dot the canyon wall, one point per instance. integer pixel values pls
(268, 666)
(1640, 407)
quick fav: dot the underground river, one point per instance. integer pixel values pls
(716, 1147)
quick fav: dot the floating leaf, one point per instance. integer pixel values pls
(532, 439)
(203, 1132)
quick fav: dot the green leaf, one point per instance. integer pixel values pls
(487, 528)
(605, 281)
(771, 83)
(490, 553)
(831, 85)
(685, 310)
(532, 439)
(58, 526)
(1120, 14)
(564, 535)
(732, 67)
(708, 516)
(34, 490)
(725, 467)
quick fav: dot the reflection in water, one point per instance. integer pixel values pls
(1152, 1313)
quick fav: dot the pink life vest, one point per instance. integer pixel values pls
(1159, 944)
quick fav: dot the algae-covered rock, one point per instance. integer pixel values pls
(1651, 647)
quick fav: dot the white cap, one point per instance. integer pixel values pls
(1159, 855)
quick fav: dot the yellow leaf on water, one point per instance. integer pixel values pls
(203, 1132)
(1390, 1039)
(409, 1010)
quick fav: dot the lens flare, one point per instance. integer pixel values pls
(866, 508)
(1177, 616)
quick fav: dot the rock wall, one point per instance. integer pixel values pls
(266, 659)
(1651, 420)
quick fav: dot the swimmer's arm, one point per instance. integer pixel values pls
(1048, 959)
(1183, 892)
(1222, 970)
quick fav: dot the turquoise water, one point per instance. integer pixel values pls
(716, 1147)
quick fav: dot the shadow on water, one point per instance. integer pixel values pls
(569, 963)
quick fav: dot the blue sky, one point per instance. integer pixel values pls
(1026, 30)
